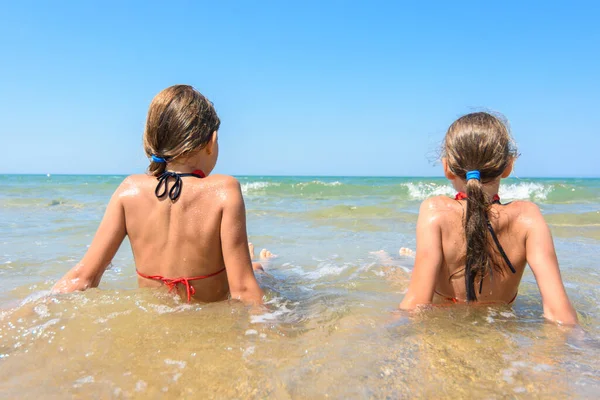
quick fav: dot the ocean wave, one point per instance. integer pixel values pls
(514, 191)
(419, 189)
(395, 190)
(289, 188)
(304, 184)
(525, 191)
(326, 269)
(423, 190)
(250, 187)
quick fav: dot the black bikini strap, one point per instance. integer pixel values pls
(499, 247)
(163, 181)
(480, 285)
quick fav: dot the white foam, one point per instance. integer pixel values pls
(177, 363)
(140, 386)
(326, 270)
(42, 310)
(86, 379)
(508, 314)
(111, 316)
(524, 191)
(33, 297)
(257, 186)
(272, 316)
(304, 184)
(513, 191)
(334, 183)
(165, 309)
(423, 190)
(249, 351)
(40, 329)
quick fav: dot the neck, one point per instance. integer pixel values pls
(490, 188)
(186, 167)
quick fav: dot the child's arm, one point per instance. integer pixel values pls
(109, 236)
(234, 242)
(541, 257)
(428, 259)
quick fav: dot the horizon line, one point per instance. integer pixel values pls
(304, 176)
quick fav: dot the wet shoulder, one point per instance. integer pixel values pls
(523, 212)
(439, 208)
(225, 187)
(439, 204)
(134, 185)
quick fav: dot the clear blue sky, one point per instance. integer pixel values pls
(311, 88)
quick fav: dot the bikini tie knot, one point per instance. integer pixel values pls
(172, 284)
(163, 185)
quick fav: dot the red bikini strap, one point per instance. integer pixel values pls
(171, 283)
(463, 196)
(460, 196)
(198, 172)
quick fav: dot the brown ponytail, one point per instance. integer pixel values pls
(478, 260)
(156, 168)
(478, 142)
(180, 120)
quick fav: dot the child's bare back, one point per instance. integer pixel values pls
(472, 248)
(510, 222)
(183, 238)
(187, 229)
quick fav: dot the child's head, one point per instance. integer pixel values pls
(181, 122)
(479, 142)
(478, 149)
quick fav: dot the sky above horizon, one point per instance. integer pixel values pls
(303, 88)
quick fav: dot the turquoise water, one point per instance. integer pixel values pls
(332, 292)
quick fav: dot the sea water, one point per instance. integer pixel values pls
(330, 329)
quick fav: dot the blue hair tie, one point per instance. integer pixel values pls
(473, 175)
(158, 159)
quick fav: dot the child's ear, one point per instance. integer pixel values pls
(211, 144)
(449, 175)
(508, 169)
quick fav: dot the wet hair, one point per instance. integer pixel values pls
(180, 120)
(478, 142)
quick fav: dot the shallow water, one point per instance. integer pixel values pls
(330, 329)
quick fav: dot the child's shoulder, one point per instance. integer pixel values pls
(438, 203)
(227, 186)
(524, 210)
(222, 179)
(438, 209)
(521, 208)
(137, 179)
(227, 182)
(133, 184)
(524, 205)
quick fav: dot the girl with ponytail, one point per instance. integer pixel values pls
(186, 227)
(473, 248)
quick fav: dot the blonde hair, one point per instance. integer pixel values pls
(478, 142)
(180, 120)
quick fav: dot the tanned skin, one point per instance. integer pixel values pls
(201, 232)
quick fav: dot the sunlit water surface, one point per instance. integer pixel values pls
(330, 329)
